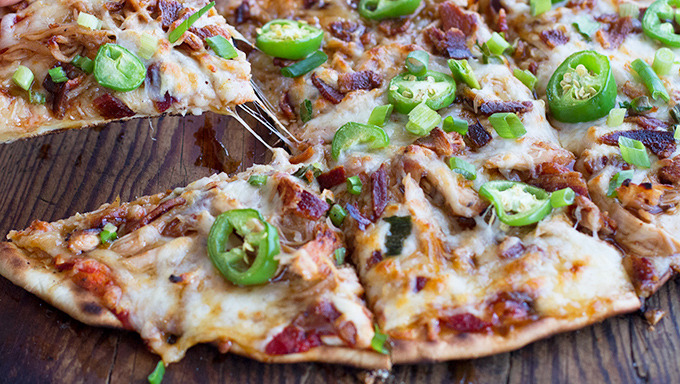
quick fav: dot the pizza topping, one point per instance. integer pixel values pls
(343, 29)
(490, 107)
(553, 37)
(305, 66)
(156, 377)
(437, 90)
(647, 122)
(669, 173)
(650, 79)
(288, 39)
(108, 233)
(60, 94)
(442, 143)
(477, 136)
(451, 44)
(466, 323)
(419, 283)
(111, 107)
(582, 88)
(463, 73)
(327, 91)
(357, 216)
(400, 229)
(387, 9)
(380, 115)
(330, 179)
(658, 23)
(507, 125)
(646, 197)
(292, 339)
(169, 10)
(519, 204)
(422, 119)
(157, 212)
(644, 274)
(117, 68)
(452, 16)
(619, 27)
(178, 31)
(462, 167)
(348, 82)
(83, 241)
(253, 261)
(660, 143)
(301, 202)
(242, 12)
(379, 182)
(352, 134)
(376, 257)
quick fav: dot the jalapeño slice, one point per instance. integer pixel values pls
(352, 133)
(288, 39)
(117, 68)
(386, 9)
(658, 22)
(436, 89)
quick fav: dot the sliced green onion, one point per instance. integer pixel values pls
(562, 198)
(108, 233)
(463, 73)
(640, 105)
(617, 180)
(149, 45)
(634, 152)
(156, 377)
(89, 21)
(36, 97)
(354, 185)
(585, 26)
(616, 116)
(306, 111)
(58, 75)
(84, 63)
(416, 62)
(454, 124)
(650, 79)
(497, 45)
(176, 33)
(461, 166)
(23, 77)
(629, 10)
(337, 215)
(222, 47)
(380, 115)
(663, 61)
(676, 133)
(379, 340)
(539, 6)
(340, 256)
(527, 78)
(306, 65)
(422, 119)
(257, 180)
(507, 125)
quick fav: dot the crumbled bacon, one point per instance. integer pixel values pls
(177, 228)
(442, 143)
(242, 12)
(419, 283)
(669, 173)
(376, 257)
(647, 122)
(286, 107)
(512, 249)
(299, 201)
(511, 308)
(210, 31)
(114, 6)
(392, 27)
(111, 107)
(466, 322)
(330, 179)
(644, 274)
(157, 212)
(502, 21)
(451, 43)
(348, 82)
(554, 176)
(169, 10)
(91, 275)
(292, 339)
(343, 29)
(328, 92)
(617, 28)
(357, 216)
(379, 181)
(660, 143)
(452, 16)
(477, 136)
(553, 37)
(490, 107)
(163, 105)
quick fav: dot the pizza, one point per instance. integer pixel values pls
(463, 179)
(75, 64)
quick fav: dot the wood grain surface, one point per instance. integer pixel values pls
(55, 176)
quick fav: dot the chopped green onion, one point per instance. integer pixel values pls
(222, 47)
(23, 77)
(306, 111)
(497, 45)
(562, 198)
(634, 152)
(507, 125)
(340, 255)
(176, 33)
(629, 10)
(337, 214)
(58, 75)
(422, 119)
(586, 27)
(617, 180)
(354, 185)
(454, 124)
(676, 133)
(539, 6)
(149, 45)
(463, 73)
(379, 340)
(156, 377)
(461, 166)
(108, 233)
(638, 106)
(301, 173)
(84, 63)
(89, 21)
(616, 116)
(304, 66)
(650, 79)
(416, 62)
(663, 61)
(36, 97)
(380, 115)
(257, 180)
(527, 78)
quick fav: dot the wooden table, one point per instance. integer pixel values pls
(55, 176)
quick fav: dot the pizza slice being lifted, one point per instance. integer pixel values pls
(81, 63)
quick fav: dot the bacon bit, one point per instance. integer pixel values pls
(302, 156)
(502, 22)
(343, 29)
(348, 332)
(301, 202)
(660, 143)
(286, 107)
(177, 228)
(242, 12)
(466, 322)
(452, 16)
(192, 41)
(618, 28)
(348, 82)
(110, 107)
(330, 179)
(522, 51)
(357, 216)
(157, 212)
(375, 258)
(329, 93)
(163, 105)
(670, 172)
(452, 44)
(511, 308)
(292, 340)
(554, 176)
(170, 10)
(114, 6)
(512, 248)
(653, 316)
(419, 283)
(647, 122)
(491, 107)
(582, 4)
(643, 273)
(379, 181)
(442, 143)
(392, 27)
(210, 31)
(477, 136)
(554, 37)
(18, 6)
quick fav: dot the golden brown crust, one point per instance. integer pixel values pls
(17, 266)
(474, 345)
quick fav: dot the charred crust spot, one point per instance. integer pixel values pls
(92, 308)
(176, 279)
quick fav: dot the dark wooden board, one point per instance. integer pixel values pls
(55, 176)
